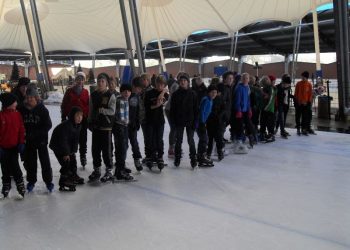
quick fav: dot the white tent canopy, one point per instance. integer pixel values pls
(93, 25)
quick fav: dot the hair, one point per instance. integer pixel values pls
(215, 80)
(145, 76)
(265, 80)
(252, 80)
(161, 79)
(226, 74)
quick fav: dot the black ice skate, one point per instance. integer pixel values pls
(138, 165)
(50, 187)
(122, 176)
(149, 164)
(205, 162)
(6, 189)
(160, 164)
(77, 179)
(21, 188)
(66, 184)
(177, 161)
(83, 160)
(193, 162)
(95, 175)
(30, 187)
(107, 176)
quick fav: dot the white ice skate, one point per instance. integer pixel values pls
(240, 148)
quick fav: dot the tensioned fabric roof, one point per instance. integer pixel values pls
(90, 26)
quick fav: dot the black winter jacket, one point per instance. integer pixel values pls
(37, 123)
(184, 108)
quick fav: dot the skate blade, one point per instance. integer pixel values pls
(124, 181)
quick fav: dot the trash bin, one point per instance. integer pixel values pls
(323, 105)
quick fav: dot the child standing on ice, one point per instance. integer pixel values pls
(11, 143)
(64, 143)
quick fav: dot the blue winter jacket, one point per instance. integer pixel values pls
(242, 99)
(205, 109)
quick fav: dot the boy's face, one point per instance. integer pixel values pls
(12, 106)
(229, 80)
(183, 83)
(212, 94)
(102, 84)
(245, 79)
(79, 81)
(78, 117)
(112, 86)
(136, 90)
(31, 101)
(126, 94)
(160, 86)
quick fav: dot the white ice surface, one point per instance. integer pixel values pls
(291, 194)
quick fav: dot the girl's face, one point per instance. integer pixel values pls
(78, 117)
(102, 84)
(31, 101)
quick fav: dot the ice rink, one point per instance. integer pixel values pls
(290, 194)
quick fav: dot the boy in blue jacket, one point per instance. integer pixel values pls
(205, 109)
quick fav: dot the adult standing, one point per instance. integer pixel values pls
(20, 90)
(78, 96)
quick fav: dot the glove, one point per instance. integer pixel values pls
(239, 115)
(250, 114)
(20, 148)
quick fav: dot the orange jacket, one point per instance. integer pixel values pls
(303, 92)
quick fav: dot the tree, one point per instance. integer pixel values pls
(79, 68)
(15, 72)
(91, 76)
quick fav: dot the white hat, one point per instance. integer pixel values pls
(80, 73)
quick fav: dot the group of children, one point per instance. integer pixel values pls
(238, 101)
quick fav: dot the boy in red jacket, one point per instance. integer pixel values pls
(11, 143)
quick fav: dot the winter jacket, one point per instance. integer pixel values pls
(37, 123)
(20, 98)
(283, 95)
(156, 115)
(205, 108)
(172, 89)
(226, 96)
(122, 111)
(201, 91)
(11, 128)
(134, 109)
(65, 137)
(142, 111)
(71, 99)
(242, 98)
(102, 110)
(270, 99)
(303, 92)
(183, 108)
(216, 117)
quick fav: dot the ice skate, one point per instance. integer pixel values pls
(6, 189)
(252, 141)
(220, 155)
(95, 175)
(240, 148)
(149, 164)
(194, 162)
(107, 176)
(30, 187)
(284, 135)
(205, 162)
(66, 184)
(160, 164)
(138, 165)
(269, 138)
(50, 187)
(304, 132)
(128, 170)
(21, 188)
(311, 131)
(77, 179)
(177, 161)
(83, 160)
(298, 131)
(122, 176)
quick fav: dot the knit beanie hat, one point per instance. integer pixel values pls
(23, 81)
(32, 90)
(184, 76)
(7, 99)
(80, 74)
(286, 79)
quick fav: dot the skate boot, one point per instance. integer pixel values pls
(311, 131)
(138, 165)
(304, 132)
(205, 162)
(298, 131)
(21, 188)
(107, 176)
(50, 187)
(149, 163)
(122, 176)
(252, 141)
(83, 160)
(95, 175)
(66, 184)
(193, 162)
(177, 161)
(160, 164)
(30, 187)
(77, 179)
(270, 138)
(220, 155)
(240, 148)
(284, 135)
(6, 189)
(286, 132)
(128, 170)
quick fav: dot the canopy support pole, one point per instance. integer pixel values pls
(181, 54)
(159, 42)
(316, 40)
(295, 50)
(184, 57)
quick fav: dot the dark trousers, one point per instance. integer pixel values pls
(31, 163)
(303, 114)
(120, 133)
(67, 167)
(203, 139)
(10, 166)
(155, 142)
(242, 124)
(132, 134)
(101, 142)
(255, 117)
(83, 138)
(190, 140)
(267, 120)
(214, 133)
(282, 112)
(172, 133)
(147, 140)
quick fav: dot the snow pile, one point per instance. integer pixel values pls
(54, 98)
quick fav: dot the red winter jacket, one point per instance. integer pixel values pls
(71, 99)
(11, 128)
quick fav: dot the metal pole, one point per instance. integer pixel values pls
(231, 51)
(235, 50)
(316, 38)
(181, 52)
(137, 35)
(30, 40)
(128, 52)
(159, 42)
(184, 57)
(40, 43)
